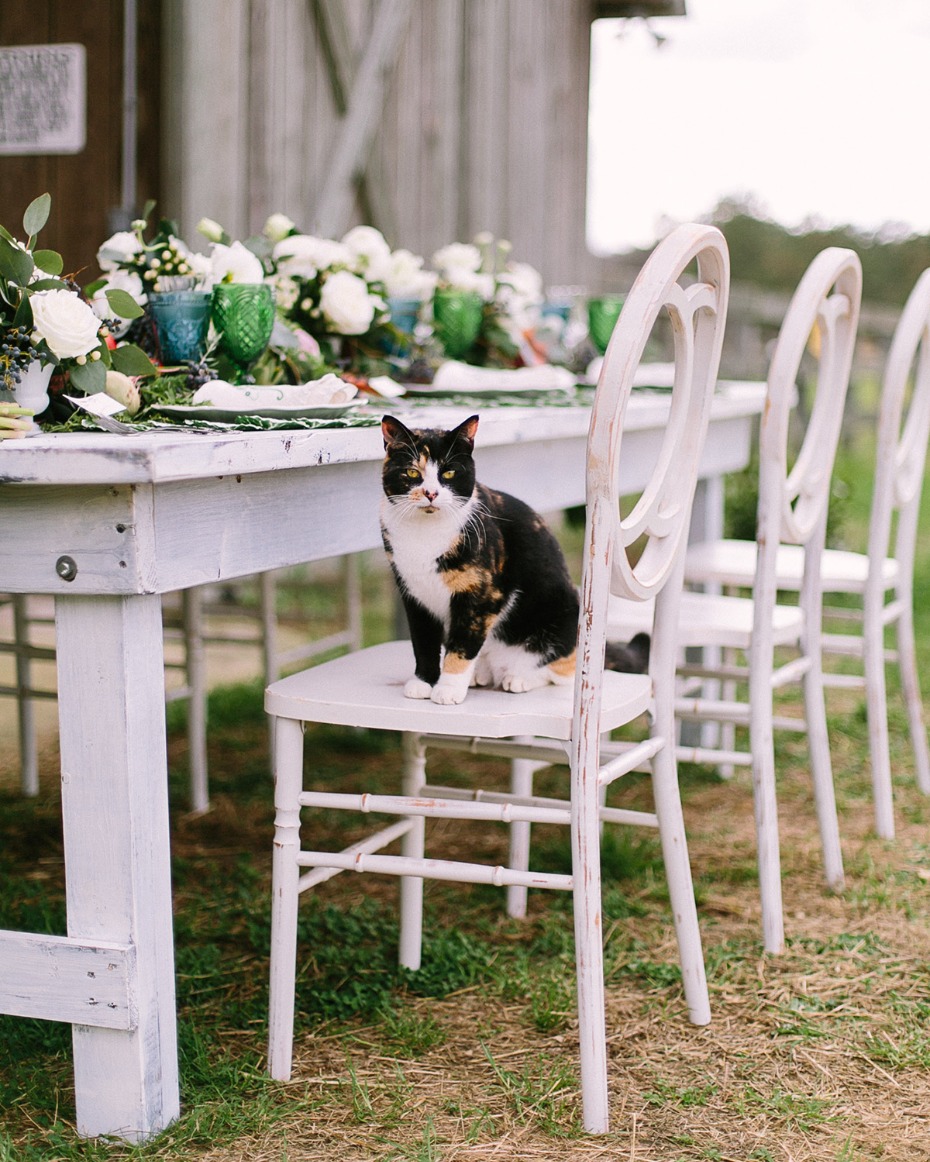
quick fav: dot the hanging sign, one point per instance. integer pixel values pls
(43, 99)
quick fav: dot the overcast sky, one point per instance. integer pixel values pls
(818, 109)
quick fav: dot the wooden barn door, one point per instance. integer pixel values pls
(86, 187)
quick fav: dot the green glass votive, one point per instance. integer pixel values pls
(603, 313)
(457, 320)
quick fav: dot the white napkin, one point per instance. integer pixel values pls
(330, 390)
(646, 375)
(453, 375)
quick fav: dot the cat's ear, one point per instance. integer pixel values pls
(393, 431)
(466, 431)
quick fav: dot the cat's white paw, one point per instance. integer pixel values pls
(521, 683)
(448, 694)
(417, 688)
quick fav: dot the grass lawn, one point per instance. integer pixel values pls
(820, 1054)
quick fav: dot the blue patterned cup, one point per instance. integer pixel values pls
(182, 319)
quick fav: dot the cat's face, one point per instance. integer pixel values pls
(431, 471)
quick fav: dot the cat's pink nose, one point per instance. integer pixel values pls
(430, 496)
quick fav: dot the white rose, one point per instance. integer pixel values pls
(346, 303)
(458, 256)
(303, 256)
(121, 247)
(67, 324)
(371, 251)
(235, 263)
(406, 280)
(277, 226)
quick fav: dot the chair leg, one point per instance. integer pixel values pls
(412, 846)
(876, 695)
(28, 738)
(818, 741)
(521, 783)
(285, 895)
(589, 952)
(910, 687)
(766, 811)
(680, 886)
(196, 674)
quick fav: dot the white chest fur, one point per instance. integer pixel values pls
(418, 539)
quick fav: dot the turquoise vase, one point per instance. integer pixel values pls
(404, 314)
(182, 320)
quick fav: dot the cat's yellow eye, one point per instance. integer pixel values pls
(413, 473)
(448, 474)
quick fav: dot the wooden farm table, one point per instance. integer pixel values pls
(108, 523)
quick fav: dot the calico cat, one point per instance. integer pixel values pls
(484, 583)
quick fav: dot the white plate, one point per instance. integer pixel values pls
(326, 411)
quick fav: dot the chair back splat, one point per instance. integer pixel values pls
(639, 556)
(821, 320)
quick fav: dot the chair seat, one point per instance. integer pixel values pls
(366, 689)
(707, 620)
(734, 563)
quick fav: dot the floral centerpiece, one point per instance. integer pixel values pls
(511, 294)
(47, 323)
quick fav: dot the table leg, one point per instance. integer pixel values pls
(117, 850)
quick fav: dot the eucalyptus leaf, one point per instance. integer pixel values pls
(37, 214)
(15, 264)
(42, 284)
(89, 377)
(48, 260)
(132, 360)
(123, 304)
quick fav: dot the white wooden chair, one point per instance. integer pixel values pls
(554, 724)
(882, 577)
(792, 510)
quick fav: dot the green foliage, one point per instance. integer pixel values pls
(769, 255)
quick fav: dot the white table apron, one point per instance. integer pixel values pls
(107, 524)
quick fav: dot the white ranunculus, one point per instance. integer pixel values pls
(202, 269)
(235, 263)
(65, 322)
(304, 256)
(372, 253)
(457, 256)
(121, 247)
(346, 303)
(520, 294)
(406, 279)
(277, 226)
(461, 278)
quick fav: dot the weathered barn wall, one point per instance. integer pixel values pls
(481, 125)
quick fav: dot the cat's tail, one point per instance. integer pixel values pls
(630, 657)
